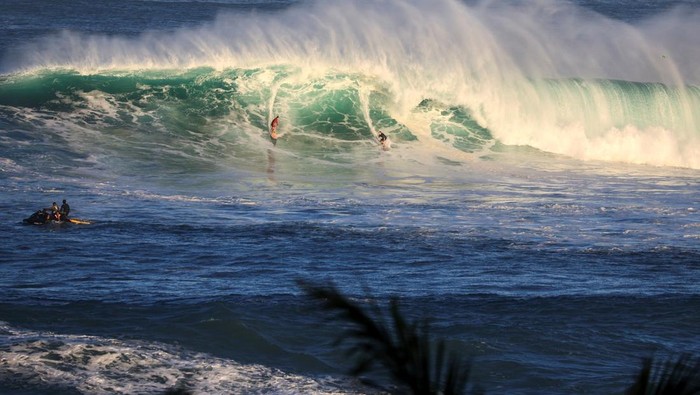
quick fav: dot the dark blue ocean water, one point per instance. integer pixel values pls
(539, 203)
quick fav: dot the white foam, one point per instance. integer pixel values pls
(9, 166)
(97, 365)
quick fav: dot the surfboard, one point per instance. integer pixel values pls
(79, 221)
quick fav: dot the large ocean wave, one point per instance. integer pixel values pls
(443, 80)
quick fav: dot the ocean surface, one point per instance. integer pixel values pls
(540, 202)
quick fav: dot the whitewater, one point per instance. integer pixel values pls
(528, 75)
(539, 201)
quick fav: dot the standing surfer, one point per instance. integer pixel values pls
(383, 140)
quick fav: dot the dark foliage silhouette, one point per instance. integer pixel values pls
(681, 377)
(383, 340)
(404, 349)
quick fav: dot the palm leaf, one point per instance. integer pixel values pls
(388, 341)
(681, 377)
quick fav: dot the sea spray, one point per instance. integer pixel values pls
(548, 74)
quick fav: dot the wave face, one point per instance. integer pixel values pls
(458, 82)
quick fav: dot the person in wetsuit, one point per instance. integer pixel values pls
(64, 210)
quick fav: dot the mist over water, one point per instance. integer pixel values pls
(550, 39)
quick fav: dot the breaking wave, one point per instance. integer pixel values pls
(451, 84)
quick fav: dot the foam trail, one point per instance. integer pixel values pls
(271, 106)
(364, 105)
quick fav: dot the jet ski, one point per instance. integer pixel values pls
(43, 217)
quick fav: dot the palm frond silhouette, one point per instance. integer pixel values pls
(404, 349)
(681, 377)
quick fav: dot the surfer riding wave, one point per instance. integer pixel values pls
(273, 129)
